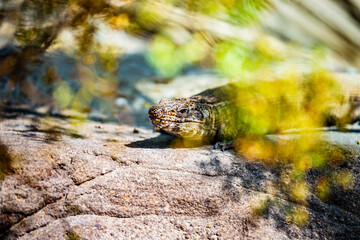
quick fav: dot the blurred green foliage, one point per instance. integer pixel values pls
(169, 59)
(240, 12)
(174, 41)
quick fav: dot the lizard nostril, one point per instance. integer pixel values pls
(155, 111)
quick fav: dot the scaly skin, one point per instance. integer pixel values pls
(214, 115)
(200, 117)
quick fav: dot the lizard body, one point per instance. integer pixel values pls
(216, 114)
(196, 117)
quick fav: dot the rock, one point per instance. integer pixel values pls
(103, 181)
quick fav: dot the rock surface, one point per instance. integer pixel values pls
(68, 179)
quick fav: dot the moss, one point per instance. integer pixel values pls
(71, 235)
(74, 210)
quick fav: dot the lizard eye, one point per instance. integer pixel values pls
(184, 110)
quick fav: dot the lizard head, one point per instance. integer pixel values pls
(182, 117)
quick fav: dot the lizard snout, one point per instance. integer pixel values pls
(154, 112)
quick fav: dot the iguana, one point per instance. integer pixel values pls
(216, 114)
(202, 116)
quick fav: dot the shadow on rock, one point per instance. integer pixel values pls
(16, 112)
(160, 142)
(336, 213)
(166, 141)
(52, 133)
(251, 175)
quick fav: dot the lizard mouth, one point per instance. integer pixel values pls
(160, 120)
(166, 123)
